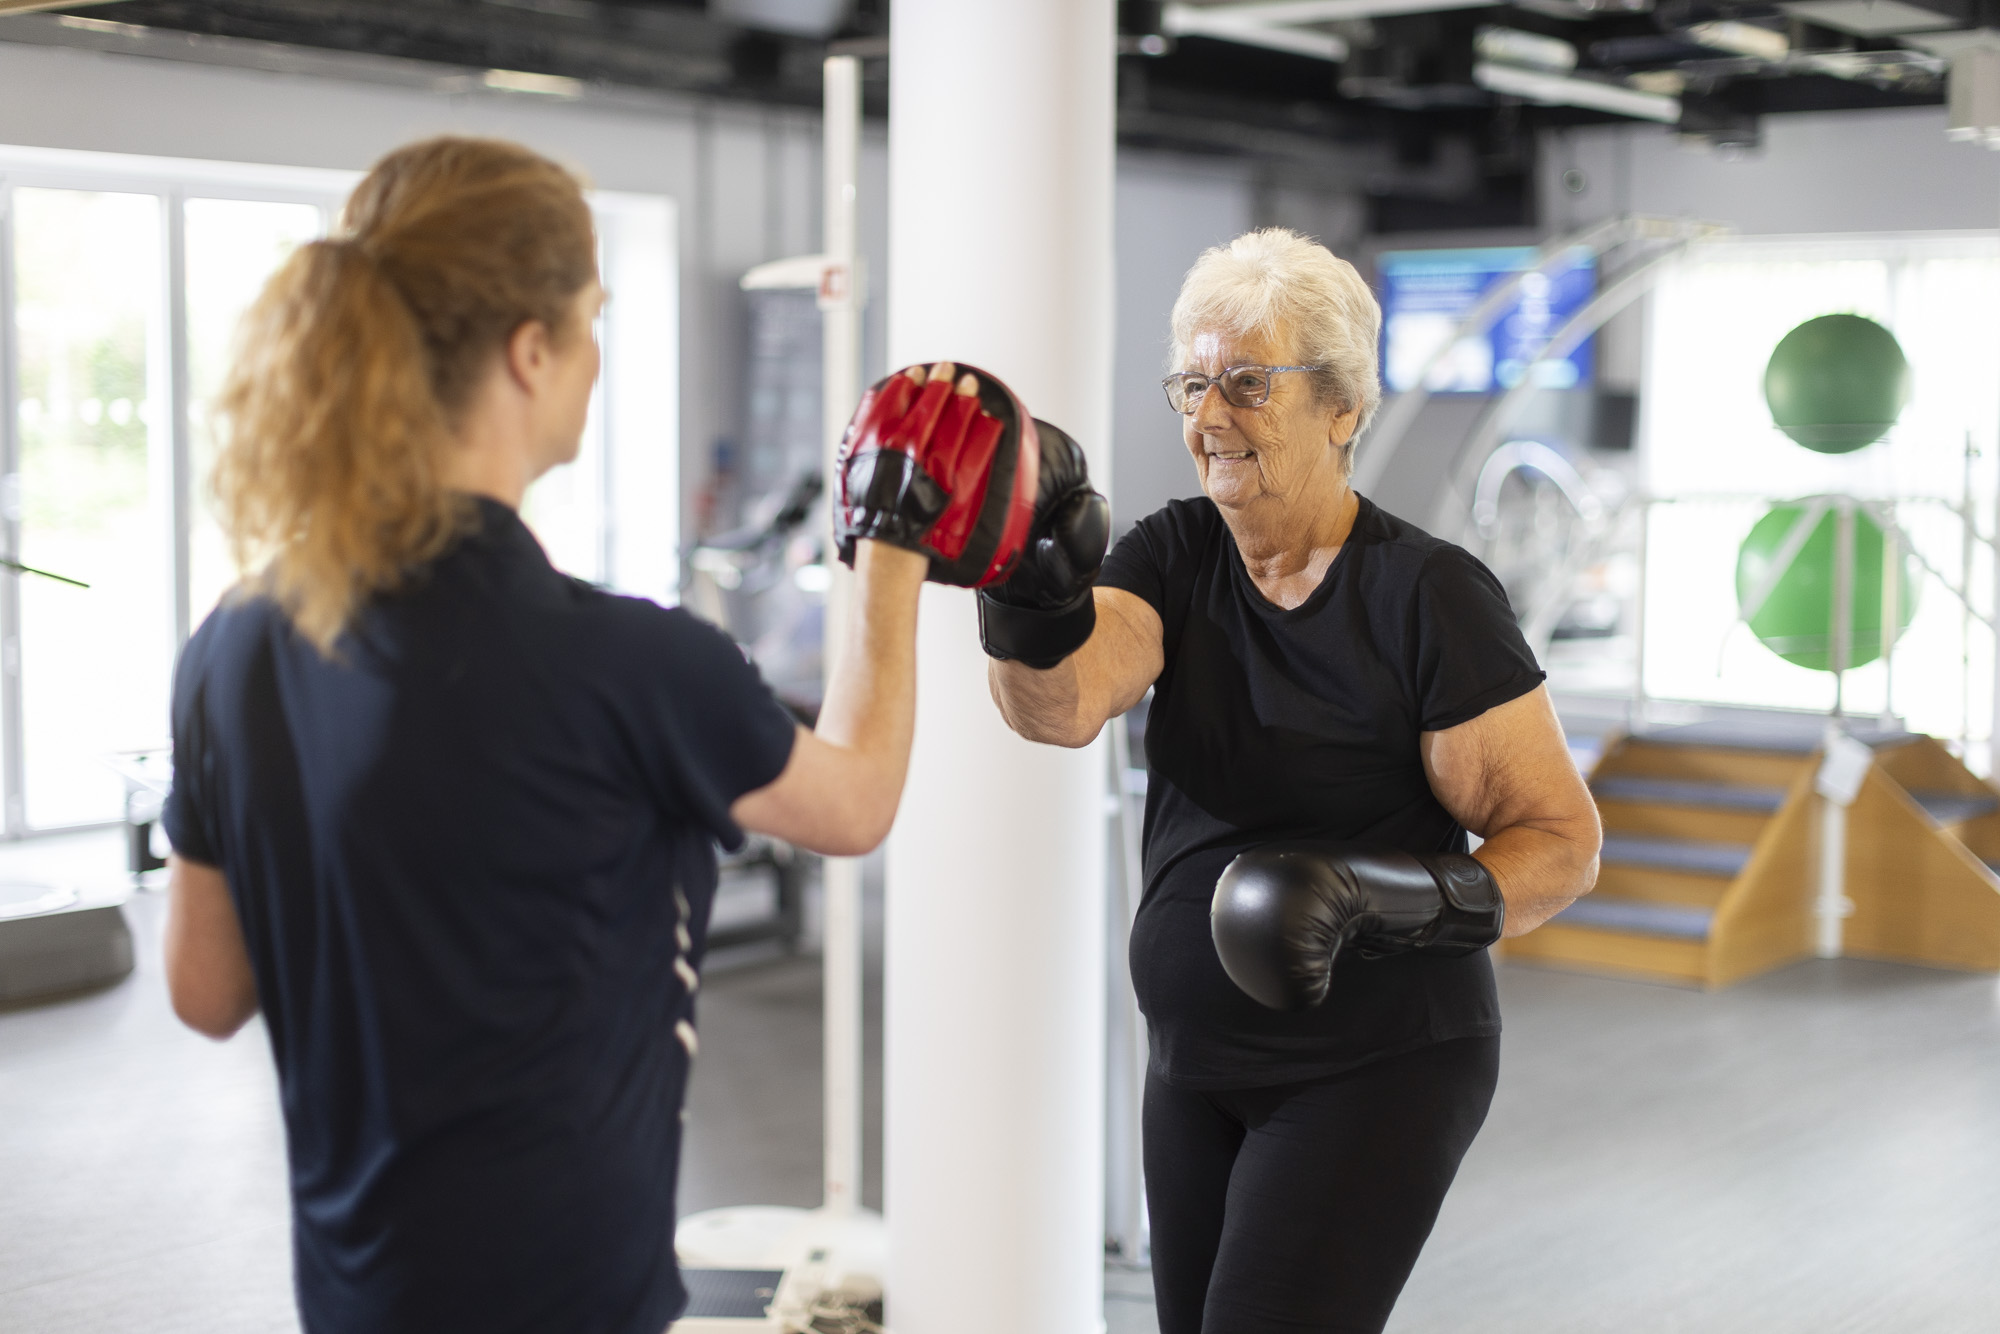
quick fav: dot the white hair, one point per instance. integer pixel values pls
(1273, 281)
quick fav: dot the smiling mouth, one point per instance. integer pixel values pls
(1232, 456)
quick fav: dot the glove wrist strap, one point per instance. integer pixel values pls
(1473, 912)
(1039, 637)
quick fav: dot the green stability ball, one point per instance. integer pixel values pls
(1796, 620)
(1836, 383)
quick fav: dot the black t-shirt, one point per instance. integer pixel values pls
(1271, 724)
(473, 860)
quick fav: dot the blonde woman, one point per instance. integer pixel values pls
(446, 816)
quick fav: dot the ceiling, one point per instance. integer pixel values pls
(1426, 107)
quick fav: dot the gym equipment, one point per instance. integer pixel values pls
(1787, 577)
(1284, 913)
(944, 474)
(1044, 610)
(55, 940)
(1709, 843)
(1837, 383)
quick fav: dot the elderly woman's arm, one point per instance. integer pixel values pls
(1068, 704)
(1508, 777)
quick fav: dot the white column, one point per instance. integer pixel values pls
(1000, 150)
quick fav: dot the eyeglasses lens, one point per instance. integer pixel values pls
(1243, 386)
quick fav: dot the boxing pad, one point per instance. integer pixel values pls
(951, 476)
(1284, 913)
(1044, 610)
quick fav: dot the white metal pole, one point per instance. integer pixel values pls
(1831, 909)
(1891, 612)
(1001, 140)
(840, 376)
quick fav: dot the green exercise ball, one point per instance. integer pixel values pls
(1836, 383)
(1796, 620)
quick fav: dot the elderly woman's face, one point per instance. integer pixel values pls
(1285, 449)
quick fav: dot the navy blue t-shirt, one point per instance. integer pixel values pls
(1272, 723)
(473, 858)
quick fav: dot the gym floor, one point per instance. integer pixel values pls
(1815, 1150)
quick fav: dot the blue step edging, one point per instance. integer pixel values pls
(1673, 920)
(1956, 807)
(1684, 792)
(1676, 854)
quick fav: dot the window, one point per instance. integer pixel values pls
(121, 283)
(1714, 463)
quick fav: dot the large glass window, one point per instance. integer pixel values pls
(92, 662)
(122, 281)
(1715, 463)
(233, 247)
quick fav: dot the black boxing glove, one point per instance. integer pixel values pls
(1283, 913)
(1044, 611)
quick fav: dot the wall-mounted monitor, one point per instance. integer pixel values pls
(1427, 293)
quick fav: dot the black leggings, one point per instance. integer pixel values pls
(1303, 1207)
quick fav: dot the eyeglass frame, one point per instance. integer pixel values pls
(1193, 402)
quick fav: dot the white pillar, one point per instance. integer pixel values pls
(1001, 143)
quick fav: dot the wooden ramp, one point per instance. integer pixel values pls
(1923, 840)
(1708, 870)
(1705, 873)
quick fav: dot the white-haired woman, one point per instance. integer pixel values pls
(1338, 698)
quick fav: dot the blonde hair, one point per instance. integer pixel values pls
(1274, 279)
(353, 367)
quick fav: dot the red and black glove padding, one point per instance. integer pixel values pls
(1044, 611)
(1284, 913)
(949, 475)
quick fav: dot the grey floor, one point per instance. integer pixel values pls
(1817, 1150)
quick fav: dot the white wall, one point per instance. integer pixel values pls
(1168, 211)
(1849, 171)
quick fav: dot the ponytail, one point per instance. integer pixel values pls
(355, 362)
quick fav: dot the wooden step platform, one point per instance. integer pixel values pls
(1707, 868)
(1703, 872)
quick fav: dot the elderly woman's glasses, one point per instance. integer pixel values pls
(1242, 386)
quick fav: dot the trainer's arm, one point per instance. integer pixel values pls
(839, 791)
(1068, 704)
(1508, 777)
(208, 969)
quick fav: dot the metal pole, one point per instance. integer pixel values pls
(1966, 531)
(1637, 721)
(1125, 1174)
(1841, 648)
(840, 376)
(1891, 612)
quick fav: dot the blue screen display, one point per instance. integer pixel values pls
(1426, 293)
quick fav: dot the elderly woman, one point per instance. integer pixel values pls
(1338, 698)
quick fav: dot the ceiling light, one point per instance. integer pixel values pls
(1742, 39)
(78, 23)
(1531, 50)
(541, 85)
(1219, 23)
(1877, 18)
(1284, 13)
(1558, 90)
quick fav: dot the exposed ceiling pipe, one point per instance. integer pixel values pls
(1564, 91)
(1287, 13)
(1194, 21)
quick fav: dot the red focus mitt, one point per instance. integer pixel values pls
(950, 475)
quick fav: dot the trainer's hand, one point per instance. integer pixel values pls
(1044, 611)
(1283, 913)
(917, 452)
